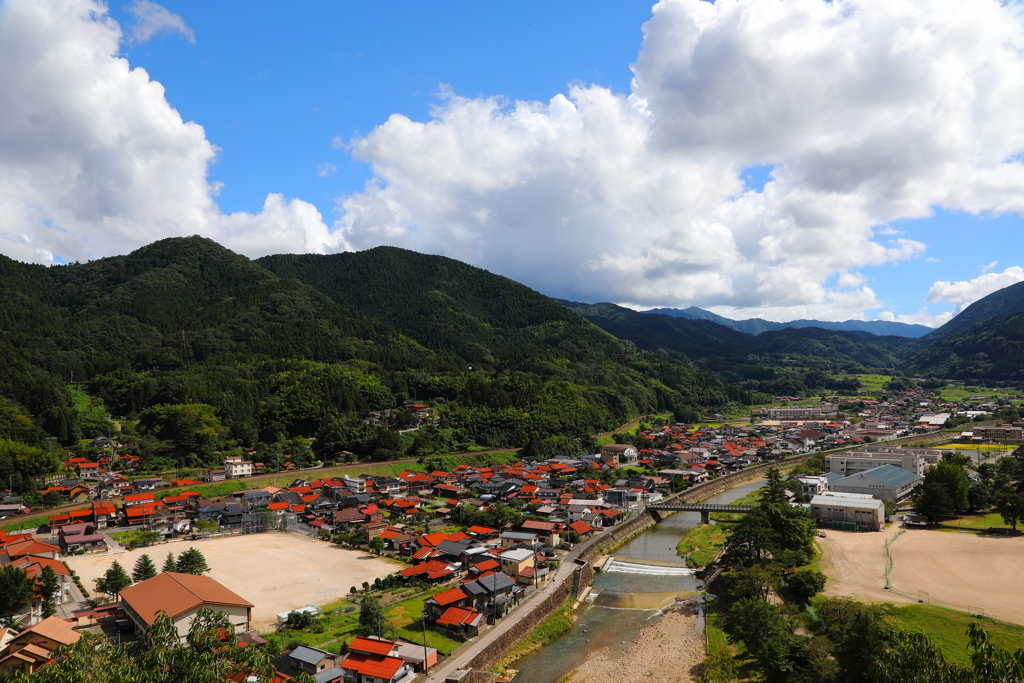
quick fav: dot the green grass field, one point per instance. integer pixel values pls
(703, 542)
(749, 499)
(870, 382)
(405, 620)
(88, 407)
(976, 523)
(557, 623)
(983, 447)
(948, 629)
(959, 393)
(340, 622)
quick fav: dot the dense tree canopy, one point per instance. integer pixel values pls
(213, 655)
(212, 351)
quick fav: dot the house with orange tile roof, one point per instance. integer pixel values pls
(180, 596)
(33, 648)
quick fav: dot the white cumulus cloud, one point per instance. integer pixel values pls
(868, 111)
(965, 292)
(93, 159)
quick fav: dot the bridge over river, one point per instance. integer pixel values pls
(705, 509)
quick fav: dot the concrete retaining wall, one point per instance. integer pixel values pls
(491, 655)
(573, 586)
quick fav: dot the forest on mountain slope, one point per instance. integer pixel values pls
(731, 353)
(203, 350)
(1005, 301)
(989, 350)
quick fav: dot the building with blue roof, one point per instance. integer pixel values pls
(888, 483)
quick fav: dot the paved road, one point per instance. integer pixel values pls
(466, 654)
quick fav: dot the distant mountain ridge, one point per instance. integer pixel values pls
(719, 347)
(755, 326)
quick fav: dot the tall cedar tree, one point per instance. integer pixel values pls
(169, 564)
(1010, 506)
(15, 592)
(144, 569)
(192, 562)
(114, 580)
(49, 589)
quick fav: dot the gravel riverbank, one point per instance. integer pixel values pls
(669, 650)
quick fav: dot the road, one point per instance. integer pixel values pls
(466, 654)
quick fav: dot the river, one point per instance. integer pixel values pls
(629, 596)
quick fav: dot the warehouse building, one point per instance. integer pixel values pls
(854, 512)
(889, 483)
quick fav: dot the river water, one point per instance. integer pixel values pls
(645, 577)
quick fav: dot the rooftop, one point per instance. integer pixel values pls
(176, 594)
(887, 474)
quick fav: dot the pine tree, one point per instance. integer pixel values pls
(49, 588)
(144, 569)
(192, 562)
(114, 581)
(169, 564)
(15, 592)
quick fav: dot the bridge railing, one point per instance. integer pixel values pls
(698, 506)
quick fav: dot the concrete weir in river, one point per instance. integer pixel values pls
(631, 566)
(644, 577)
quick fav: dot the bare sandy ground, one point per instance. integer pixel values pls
(855, 564)
(955, 570)
(669, 650)
(962, 570)
(276, 572)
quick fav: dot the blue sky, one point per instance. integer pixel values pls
(273, 88)
(774, 160)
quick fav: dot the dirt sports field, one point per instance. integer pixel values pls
(960, 570)
(276, 572)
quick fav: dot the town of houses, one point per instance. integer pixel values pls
(489, 569)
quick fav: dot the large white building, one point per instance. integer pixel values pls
(235, 467)
(867, 512)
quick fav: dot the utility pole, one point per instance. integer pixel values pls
(426, 661)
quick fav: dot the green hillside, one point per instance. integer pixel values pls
(204, 350)
(993, 349)
(680, 337)
(1006, 301)
(864, 348)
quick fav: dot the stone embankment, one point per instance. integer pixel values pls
(574, 585)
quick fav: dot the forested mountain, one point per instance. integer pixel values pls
(210, 351)
(698, 340)
(720, 348)
(1006, 301)
(992, 350)
(758, 325)
(863, 348)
